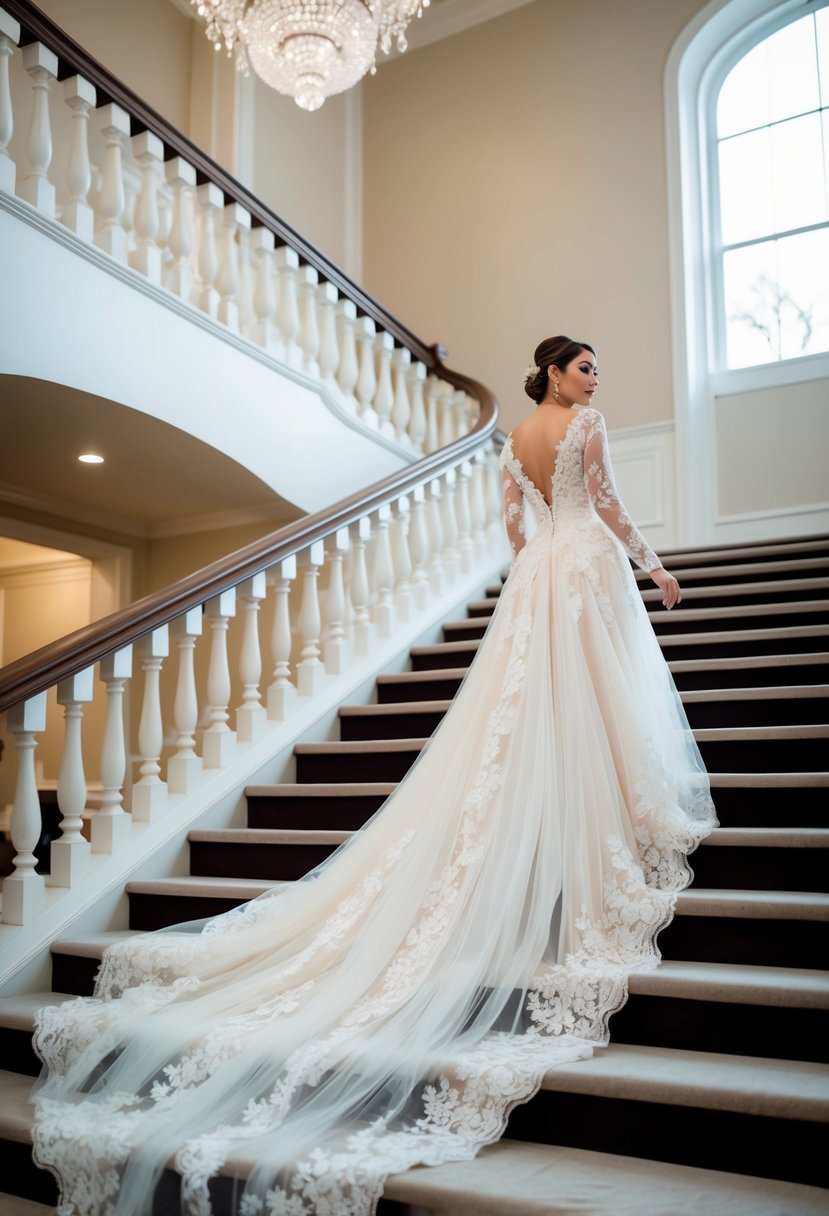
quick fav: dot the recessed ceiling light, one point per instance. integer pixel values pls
(91, 458)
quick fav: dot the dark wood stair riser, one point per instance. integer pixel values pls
(443, 659)
(795, 755)
(437, 689)
(716, 577)
(673, 622)
(758, 942)
(736, 649)
(772, 806)
(792, 1150)
(779, 594)
(274, 862)
(354, 766)
(389, 726)
(755, 676)
(22, 1177)
(160, 911)
(318, 811)
(779, 1033)
(766, 711)
(749, 868)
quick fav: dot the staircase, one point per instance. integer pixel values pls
(714, 1093)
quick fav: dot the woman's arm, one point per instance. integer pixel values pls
(601, 488)
(513, 511)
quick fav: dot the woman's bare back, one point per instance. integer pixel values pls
(534, 444)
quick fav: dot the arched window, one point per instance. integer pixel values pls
(769, 201)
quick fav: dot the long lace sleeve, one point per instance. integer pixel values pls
(513, 511)
(601, 488)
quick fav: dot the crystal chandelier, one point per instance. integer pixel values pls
(309, 49)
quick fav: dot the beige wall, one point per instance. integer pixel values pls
(514, 187)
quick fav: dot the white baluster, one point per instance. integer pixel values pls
(9, 38)
(70, 852)
(264, 296)
(235, 219)
(281, 693)
(494, 494)
(209, 200)
(477, 499)
(401, 560)
(448, 432)
(219, 742)
(437, 572)
(472, 411)
(310, 668)
(132, 188)
(149, 795)
(287, 313)
(367, 381)
(384, 397)
(182, 178)
(165, 195)
(111, 199)
(42, 66)
(79, 95)
(361, 624)
(401, 410)
(244, 295)
(433, 391)
(419, 548)
(111, 826)
(148, 150)
(23, 890)
(309, 333)
(250, 716)
(459, 413)
(463, 511)
(451, 556)
(349, 368)
(329, 353)
(417, 426)
(336, 647)
(184, 767)
(383, 575)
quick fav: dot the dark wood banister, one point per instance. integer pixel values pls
(74, 60)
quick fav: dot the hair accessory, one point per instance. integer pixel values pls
(532, 370)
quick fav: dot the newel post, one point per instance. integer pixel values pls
(23, 890)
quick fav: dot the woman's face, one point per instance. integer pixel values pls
(577, 383)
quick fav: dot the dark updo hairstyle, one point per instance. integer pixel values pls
(556, 352)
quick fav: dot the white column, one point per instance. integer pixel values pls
(336, 647)
(262, 243)
(184, 767)
(42, 66)
(309, 332)
(287, 313)
(437, 573)
(310, 668)
(383, 574)
(367, 380)
(433, 391)
(109, 235)
(417, 426)
(244, 295)
(219, 742)
(401, 410)
(250, 716)
(149, 794)
(361, 624)
(70, 853)
(349, 368)
(281, 693)
(384, 397)
(477, 499)
(23, 890)
(182, 178)
(111, 826)
(235, 219)
(209, 200)
(329, 353)
(79, 95)
(401, 560)
(148, 150)
(9, 38)
(451, 556)
(419, 548)
(463, 512)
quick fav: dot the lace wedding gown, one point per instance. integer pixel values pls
(392, 1007)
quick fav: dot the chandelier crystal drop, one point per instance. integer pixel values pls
(308, 49)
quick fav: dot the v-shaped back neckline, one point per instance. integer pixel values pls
(577, 410)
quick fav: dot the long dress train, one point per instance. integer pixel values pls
(393, 1006)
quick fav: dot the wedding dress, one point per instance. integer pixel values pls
(392, 1007)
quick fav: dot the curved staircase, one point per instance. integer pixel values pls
(714, 1093)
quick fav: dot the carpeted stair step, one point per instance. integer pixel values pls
(766, 799)
(740, 1010)
(764, 1117)
(734, 643)
(17, 1022)
(332, 806)
(749, 748)
(275, 854)
(780, 705)
(716, 556)
(767, 859)
(419, 685)
(402, 720)
(755, 928)
(723, 574)
(441, 655)
(750, 671)
(370, 760)
(75, 960)
(160, 902)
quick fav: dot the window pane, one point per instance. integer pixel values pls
(822, 26)
(793, 86)
(776, 299)
(746, 187)
(798, 176)
(744, 100)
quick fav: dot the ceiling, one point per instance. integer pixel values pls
(155, 479)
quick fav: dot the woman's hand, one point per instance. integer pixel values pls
(668, 585)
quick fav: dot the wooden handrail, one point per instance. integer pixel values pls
(74, 60)
(44, 668)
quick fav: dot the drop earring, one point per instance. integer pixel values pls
(555, 389)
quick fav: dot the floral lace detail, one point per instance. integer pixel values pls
(604, 497)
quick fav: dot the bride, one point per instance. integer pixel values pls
(391, 1008)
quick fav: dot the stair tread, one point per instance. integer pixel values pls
(784, 567)
(212, 888)
(91, 945)
(740, 662)
(781, 633)
(511, 1178)
(324, 789)
(269, 836)
(735, 983)
(724, 613)
(18, 1012)
(16, 1205)
(423, 677)
(766, 780)
(749, 549)
(703, 733)
(446, 648)
(335, 746)
(394, 708)
(769, 838)
(762, 692)
(785, 1089)
(806, 731)
(781, 905)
